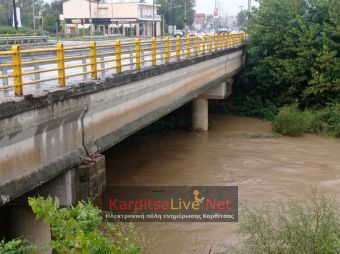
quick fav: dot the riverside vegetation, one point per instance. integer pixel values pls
(293, 72)
(77, 229)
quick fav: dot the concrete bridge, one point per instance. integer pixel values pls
(49, 141)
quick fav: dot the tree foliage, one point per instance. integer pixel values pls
(179, 13)
(48, 12)
(294, 52)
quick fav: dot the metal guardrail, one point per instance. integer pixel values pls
(17, 63)
(10, 40)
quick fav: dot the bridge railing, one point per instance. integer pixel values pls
(64, 65)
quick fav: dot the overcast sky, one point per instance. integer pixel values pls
(231, 7)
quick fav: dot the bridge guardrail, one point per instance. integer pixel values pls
(115, 57)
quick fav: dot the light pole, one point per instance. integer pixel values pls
(163, 16)
(33, 15)
(185, 17)
(15, 15)
(91, 28)
(153, 18)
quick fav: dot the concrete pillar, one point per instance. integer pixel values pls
(82, 183)
(200, 114)
(22, 223)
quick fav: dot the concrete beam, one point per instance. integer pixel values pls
(219, 92)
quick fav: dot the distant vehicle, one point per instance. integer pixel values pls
(223, 31)
(178, 33)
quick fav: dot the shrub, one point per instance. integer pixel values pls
(78, 229)
(291, 121)
(296, 227)
(16, 246)
(327, 121)
(257, 107)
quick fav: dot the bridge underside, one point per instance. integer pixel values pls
(43, 137)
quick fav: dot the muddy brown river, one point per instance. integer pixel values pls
(236, 151)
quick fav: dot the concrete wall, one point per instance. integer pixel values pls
(42, 137)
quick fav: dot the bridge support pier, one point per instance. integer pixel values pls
(200, 114)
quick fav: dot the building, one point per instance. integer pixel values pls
(126, 17)
(199, 21)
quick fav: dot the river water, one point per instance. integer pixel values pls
(236, 151)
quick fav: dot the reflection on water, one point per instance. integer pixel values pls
(236, 151)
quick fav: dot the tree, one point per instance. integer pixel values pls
(179, 12)
(294, 52)
(6, 11)
(241, 19)
(26, 7)
(51, 14)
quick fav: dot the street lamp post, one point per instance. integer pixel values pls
(33, 15)
(90, 10)
(163, 16)
(15, 15)
(153, 18)
(185, 17)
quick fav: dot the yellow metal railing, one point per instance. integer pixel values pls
(62, 63)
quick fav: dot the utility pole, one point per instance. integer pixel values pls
(153, 18)
(173, 21)
(33, 15)
(15, 15)
(185, 17)
(90, 9)
(249, 5)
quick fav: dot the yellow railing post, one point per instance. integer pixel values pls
(93, 59)
(187, 46)
(210, 43)
(196, 46)
(228, 40)
(215, 42)
(225, 40)
(61, 64)
(17, 71)
(220, 41)
(118, 57)
(167, 49)
(203, 44)
(154, 51)
(137, 41)
(178, 48)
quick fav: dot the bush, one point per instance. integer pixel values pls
(10, 31)
(79, 229)
(327, 121)
(291, 121)
(298, 227)
(16, 246)
(257, 107)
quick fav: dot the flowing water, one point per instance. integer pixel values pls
(235, 151)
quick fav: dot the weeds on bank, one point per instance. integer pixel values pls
(299, 226)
